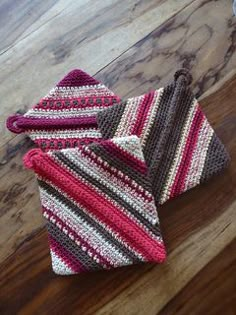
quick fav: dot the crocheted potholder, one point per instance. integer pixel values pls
(180, 147)
(98, 204)
(66, 117)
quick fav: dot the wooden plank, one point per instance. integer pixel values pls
(196, 228)
(28, 286)
(85, 34)
(212, 290)
(201, 37)
(16, 17)
(151, 292)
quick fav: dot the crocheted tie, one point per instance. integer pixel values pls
(66, 117)
(98, 204)
(180, 147)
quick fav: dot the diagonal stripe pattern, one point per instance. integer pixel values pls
(100, 211)
(180, 147)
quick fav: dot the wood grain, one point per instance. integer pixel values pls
(132, 46)
(201, 295)
(201, 37)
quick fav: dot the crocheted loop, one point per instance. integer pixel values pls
(31, 156)
(11, 124)
(184, 73)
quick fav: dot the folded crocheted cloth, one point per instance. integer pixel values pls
(66, 117)
(98, 204)
(180, 147)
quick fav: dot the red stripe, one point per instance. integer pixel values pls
(102, 259)
(104, 210)
(124, 156)
(142, 113)
(45, 143)
(179, 181)
(69, 259)
(122, 177)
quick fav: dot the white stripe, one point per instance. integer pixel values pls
(59, 266)
(130, 145)
(106, 227)
(151, 115)
(199, 156)
(65, 113)
(128, 118)
(179, 152)
(83, 91)
(83, 229)
(65, 134)
(146, 209)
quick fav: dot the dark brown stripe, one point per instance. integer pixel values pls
(154, 229)
(119, 164)
(105, 234)
(72, 248)
(158, 125)
(217, 158)
(109, 119)
(159, 176)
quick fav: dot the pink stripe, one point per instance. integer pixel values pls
(125, 156)
(77, 78)
(77, 237)
(45, 144)
(179, 181)
(98, 205)
(142, 113)
(122, 177)
(69, 259)
(76, 103)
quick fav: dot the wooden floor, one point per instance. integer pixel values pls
(132, 46)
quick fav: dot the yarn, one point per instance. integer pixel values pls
(180, 147)
(66, 116)
(99, 207)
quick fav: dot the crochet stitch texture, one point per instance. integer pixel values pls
(180, 147)
(98, 203)
(104, 165)
(66, 116)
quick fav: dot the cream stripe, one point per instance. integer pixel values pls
(65, 134)
(146, 209)
(83, 229)
(199, 156)
(66, 113)
(131, 145)
(106, 227)
(129, 117)
(165, 195)
(151, 115)
(84, 91)
(116, 204)
(59, 266)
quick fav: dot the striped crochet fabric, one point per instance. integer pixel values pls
(180, 147)
(98, 204)
(66, 117)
